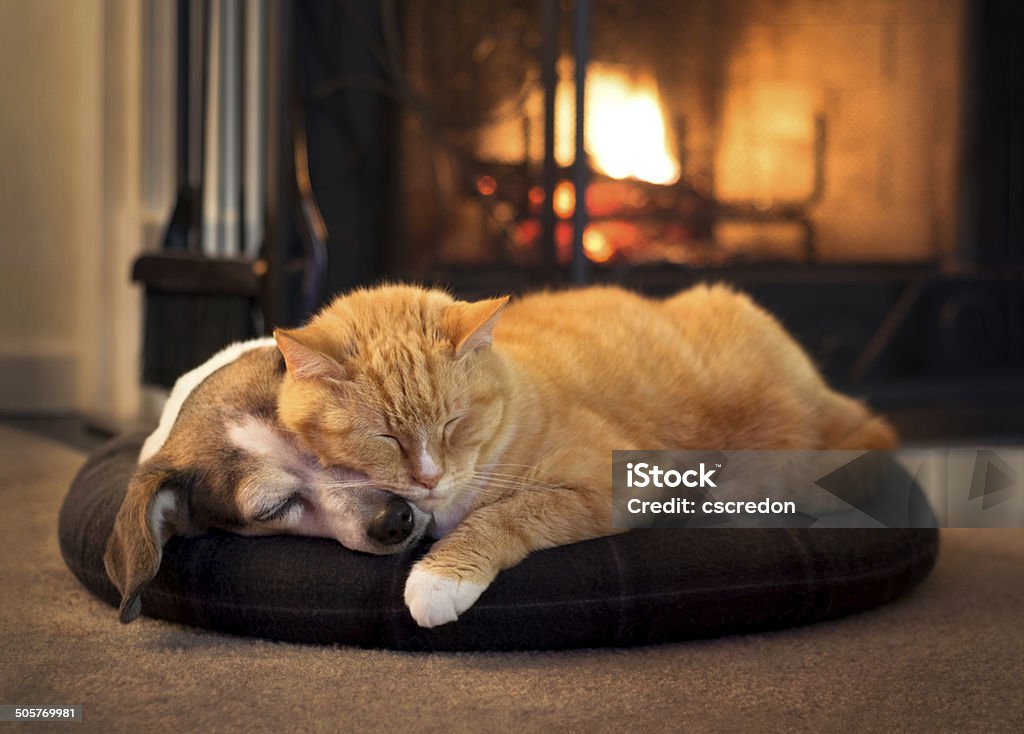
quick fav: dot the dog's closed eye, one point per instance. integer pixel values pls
(278, 511)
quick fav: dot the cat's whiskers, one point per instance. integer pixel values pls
(512, 475)
(488, 490)
(346, 485)
(515, 481)
(531, 468)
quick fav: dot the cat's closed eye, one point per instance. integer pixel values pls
(393, 440)
(450, 425)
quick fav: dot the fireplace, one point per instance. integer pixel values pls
(715, 134)
(855, 166)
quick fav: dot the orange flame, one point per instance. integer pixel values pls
(627, 135)
(596, 245)
(564, 200)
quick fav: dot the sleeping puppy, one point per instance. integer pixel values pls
(220, 459)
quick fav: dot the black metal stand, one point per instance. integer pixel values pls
(197, 304)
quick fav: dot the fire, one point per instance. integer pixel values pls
(596, 245)
(564, 202)
(627, 138)
(627, 135)
(486, 185)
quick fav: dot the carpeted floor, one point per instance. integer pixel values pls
(949, 657)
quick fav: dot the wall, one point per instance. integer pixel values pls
(72, 213)
(50, 194)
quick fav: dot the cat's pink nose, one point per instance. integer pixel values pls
(425, 469)
(428, 479)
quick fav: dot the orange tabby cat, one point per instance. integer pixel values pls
(501, 420)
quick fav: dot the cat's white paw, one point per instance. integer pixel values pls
(434, 599)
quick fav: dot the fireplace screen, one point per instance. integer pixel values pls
(716, 133)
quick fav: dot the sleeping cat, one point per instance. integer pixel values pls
(500, 419)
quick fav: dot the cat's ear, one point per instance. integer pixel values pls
(305, 362)
(468, 326)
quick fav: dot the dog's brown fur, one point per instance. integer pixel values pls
(225, 458)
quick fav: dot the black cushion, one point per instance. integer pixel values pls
(645, 586)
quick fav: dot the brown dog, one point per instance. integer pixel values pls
(220, 459)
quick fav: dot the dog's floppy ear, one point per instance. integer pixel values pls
(154, 508)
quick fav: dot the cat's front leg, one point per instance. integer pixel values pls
(460, 566)
(435, 598)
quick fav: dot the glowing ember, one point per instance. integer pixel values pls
(565, 200)
(527, 233)
(627, 135)
(486, 185)
(596, 245)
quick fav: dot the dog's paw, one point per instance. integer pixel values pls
(434, 599)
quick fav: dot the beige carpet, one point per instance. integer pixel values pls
(949, 657)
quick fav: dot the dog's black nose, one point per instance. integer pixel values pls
(393, 524)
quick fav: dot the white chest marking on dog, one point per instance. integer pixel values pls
(189, 382)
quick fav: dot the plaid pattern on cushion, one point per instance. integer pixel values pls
(643, 587)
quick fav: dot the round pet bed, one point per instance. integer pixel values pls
(642, 587)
